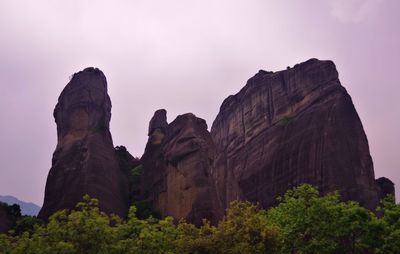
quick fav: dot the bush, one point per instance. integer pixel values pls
(303, 222)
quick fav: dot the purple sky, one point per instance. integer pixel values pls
(184, 56)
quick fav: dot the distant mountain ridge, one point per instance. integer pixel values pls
(27, 208)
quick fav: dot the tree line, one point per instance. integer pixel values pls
(304, 221)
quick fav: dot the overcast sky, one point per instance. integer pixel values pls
(184, 56)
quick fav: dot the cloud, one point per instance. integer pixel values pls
(353, 11)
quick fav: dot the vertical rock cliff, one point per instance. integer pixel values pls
(85, 161)
(281, 130)
(177, 168)
(291, 127)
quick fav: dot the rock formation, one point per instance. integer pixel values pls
(282, 129)
(177, 168)
(85, 161)
(291, 127)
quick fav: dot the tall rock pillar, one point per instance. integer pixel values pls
(85, 161)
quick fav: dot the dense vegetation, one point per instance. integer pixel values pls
(13, 212)
(303, 222)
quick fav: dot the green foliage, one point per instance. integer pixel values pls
(9, 215)
(199, 240)
(303, 222)
(86, 230)
(144, 210)
(5, 243)
(243, 230)
(389, 227)
(311, 223)
(146, 236)
(135, 175)
(26, 224)
(13, 211)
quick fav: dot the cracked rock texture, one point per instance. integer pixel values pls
(177, 168)
(85, 161)
(291, 127)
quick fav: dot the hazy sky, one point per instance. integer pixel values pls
(184, 56)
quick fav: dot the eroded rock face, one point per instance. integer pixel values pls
(281, 130)
(85, 161)
(177, 169)
(291, 127)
